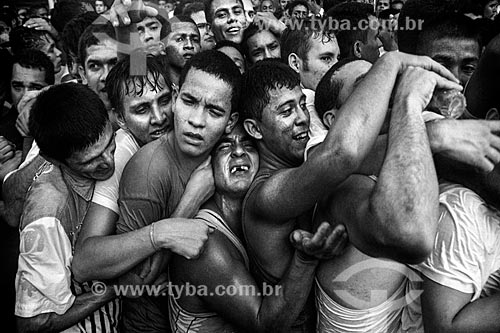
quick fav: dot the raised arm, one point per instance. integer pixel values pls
(396, 217)
(345, 147)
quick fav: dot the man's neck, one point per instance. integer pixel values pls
(188, 163)
(270, 160)
(229, 208)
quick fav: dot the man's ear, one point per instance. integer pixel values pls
(252, 128)
(233, 119)
(119, 119)
(329, 118)
(295, 62)
(81, 72)
(492, 114)
(356, 49)
(175, 94)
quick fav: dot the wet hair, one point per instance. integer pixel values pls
(36, 59)
(219, 65)
(259, 80)
(352, 12)
(63, 126)
(22, 38)
(328, 90)
(88, 38)
(119, 82)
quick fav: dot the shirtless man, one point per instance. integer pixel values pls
(235, 162)
(286, 189)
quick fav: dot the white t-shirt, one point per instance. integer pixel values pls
(106, 192)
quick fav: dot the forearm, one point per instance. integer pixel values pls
(405, 199)
(279, 311)
(188, 206)
(107, 257)
(83, 306)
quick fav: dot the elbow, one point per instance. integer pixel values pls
(345, 158)
(79, 269)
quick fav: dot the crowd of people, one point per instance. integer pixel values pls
(251, 165)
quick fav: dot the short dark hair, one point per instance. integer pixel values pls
(296, 3)
(263, 76)
(64, 11)
(219, 65)
(328, 91)
(298, 41)
(192, 8)
(450, 26)
(36, 59)
(428, 11)
(73, 30)
(249, 32)
(63, 126)
(88, 38)
(22, 38)
(229, 43)
(182, 18)
(119, 79)
(352, 12)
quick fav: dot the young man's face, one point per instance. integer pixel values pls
(267, 6)
(49, 48)
(300, 12)
(97, 161)
(382, 5)
(148, 115)
(322, 55)
(149, 31)
(249, 11)
(263, 45)
(235, 162)
(229, 20)
(182, 43)
(283, 4)
(100, 60)
(459, 55)
(285, 124)
(207, 37)
(202, 109)
(100, 7)
(25, 79)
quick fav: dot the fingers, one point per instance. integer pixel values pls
(444, 83)
(319, 238)
(337, 240)
(442, 71)
(145, 268)
(494, 126)
(150, 11)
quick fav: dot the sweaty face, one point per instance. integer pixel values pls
(300, 12)
(235, 162)
(182, 43)
(147, 111)
(49, 48)
(264, 44)
(459, 55)
(235, 56)
(267, 6)
(229, 20)
(285, 124)
(321, 57)
(201, 112)
(207, 37)
(97, 161)
(100, 60)
(149, 31)
(25, 79)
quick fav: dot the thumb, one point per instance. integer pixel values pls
(150, 11)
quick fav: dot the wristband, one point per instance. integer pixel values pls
(151, 236)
